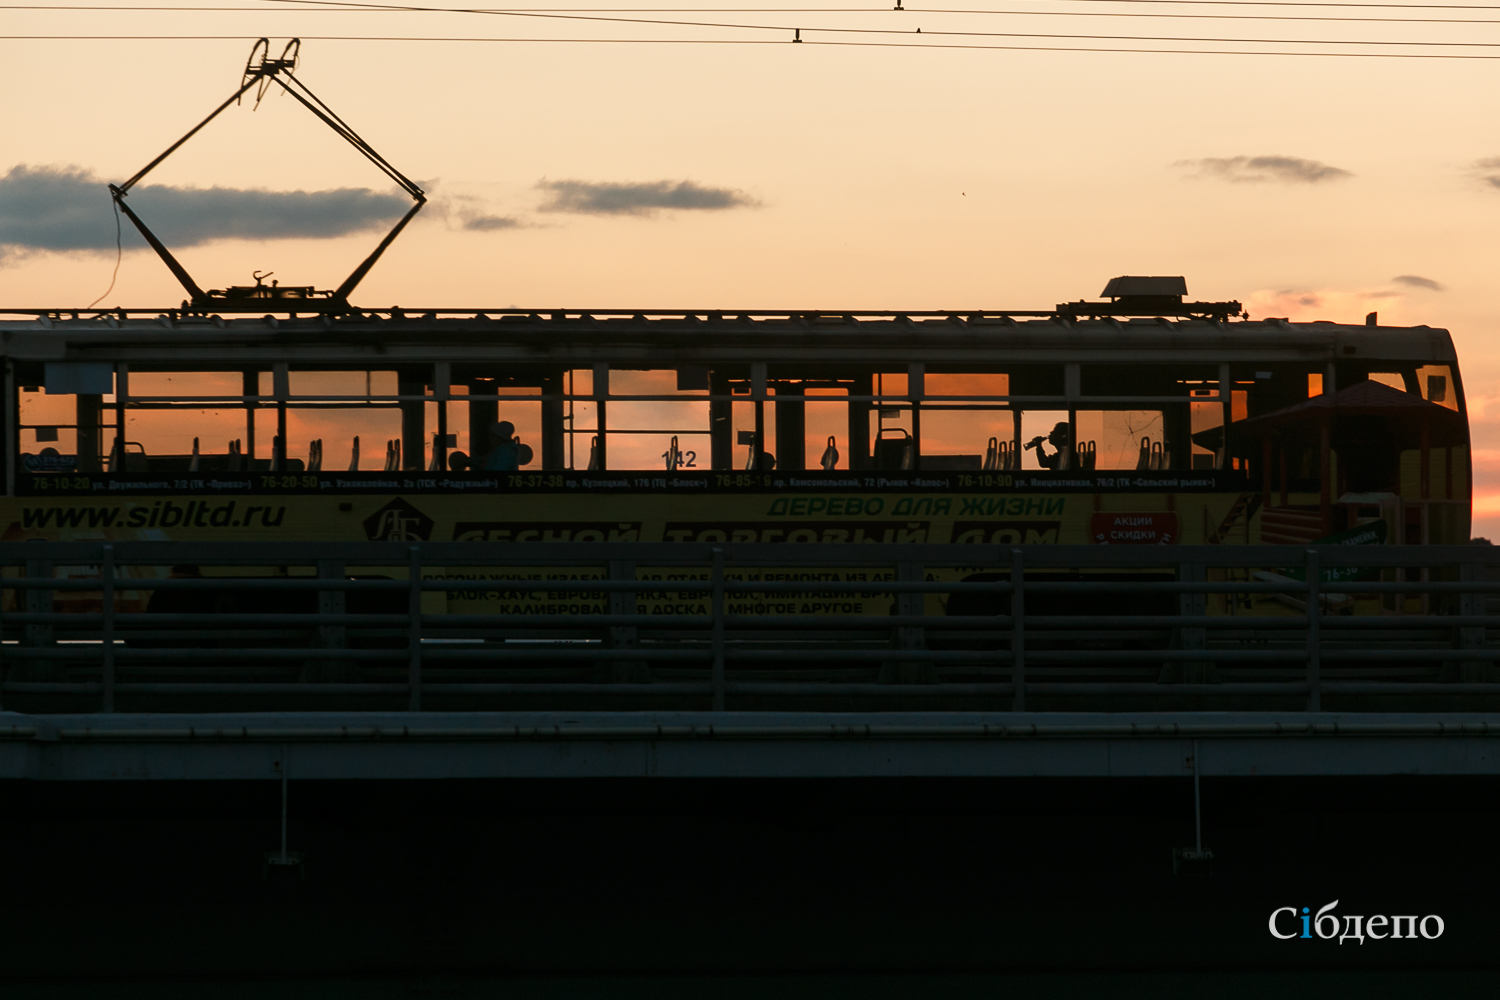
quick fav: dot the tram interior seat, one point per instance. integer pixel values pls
(892, 451)
(1000, 455)
(1152, 456)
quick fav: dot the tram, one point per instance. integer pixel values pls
(1143, 419)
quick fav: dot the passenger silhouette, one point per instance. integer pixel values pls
(509, 454)
(1059, 440)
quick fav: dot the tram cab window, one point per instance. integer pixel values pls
(1435, 383)
(61, 416)
(49, 432)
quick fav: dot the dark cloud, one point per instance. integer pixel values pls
(1261, 169)
(466, 212)
(592, 198)
(1489, 170)
(1301, 298)
(1417, 281)
(68, 208)
(487, 223)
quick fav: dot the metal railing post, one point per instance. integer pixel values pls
(1018, 628)
(1314, 650)
(625, 637)
(911, 604)
(1471, 605)
(107, 632)
(414, 629)
(718, 630)
(1190, 603)
(38, 601)
(332, 602)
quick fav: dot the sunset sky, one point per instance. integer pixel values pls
(710, 167)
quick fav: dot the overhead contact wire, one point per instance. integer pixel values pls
(767, 41)
(732, 26)
(1284, 18)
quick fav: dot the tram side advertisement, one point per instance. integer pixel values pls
(731, 518)
(891, 518)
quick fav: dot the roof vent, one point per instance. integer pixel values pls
(1135, 286)
(1140, 295)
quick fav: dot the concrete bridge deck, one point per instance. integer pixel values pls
(542, 745)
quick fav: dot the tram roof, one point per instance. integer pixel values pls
(672, 337)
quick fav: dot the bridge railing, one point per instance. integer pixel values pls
(286, 626)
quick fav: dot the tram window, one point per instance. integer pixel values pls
(890, 384)
(1206, 414)
(641, 433)
(826, 423)
(580, 419)
(1113, 439)
(172, 432)
(361, 384)
(336, 429)
(159, 436)
(335, 422)
(958, 435)
(1392, 379)
(892, 442)
(742, 421)
(1436, 385)
(476, 421)
(966, 384)
(961, 438)
(1314, 384)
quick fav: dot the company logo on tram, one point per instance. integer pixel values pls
(398, 521)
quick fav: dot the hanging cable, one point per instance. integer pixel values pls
(119, 253)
